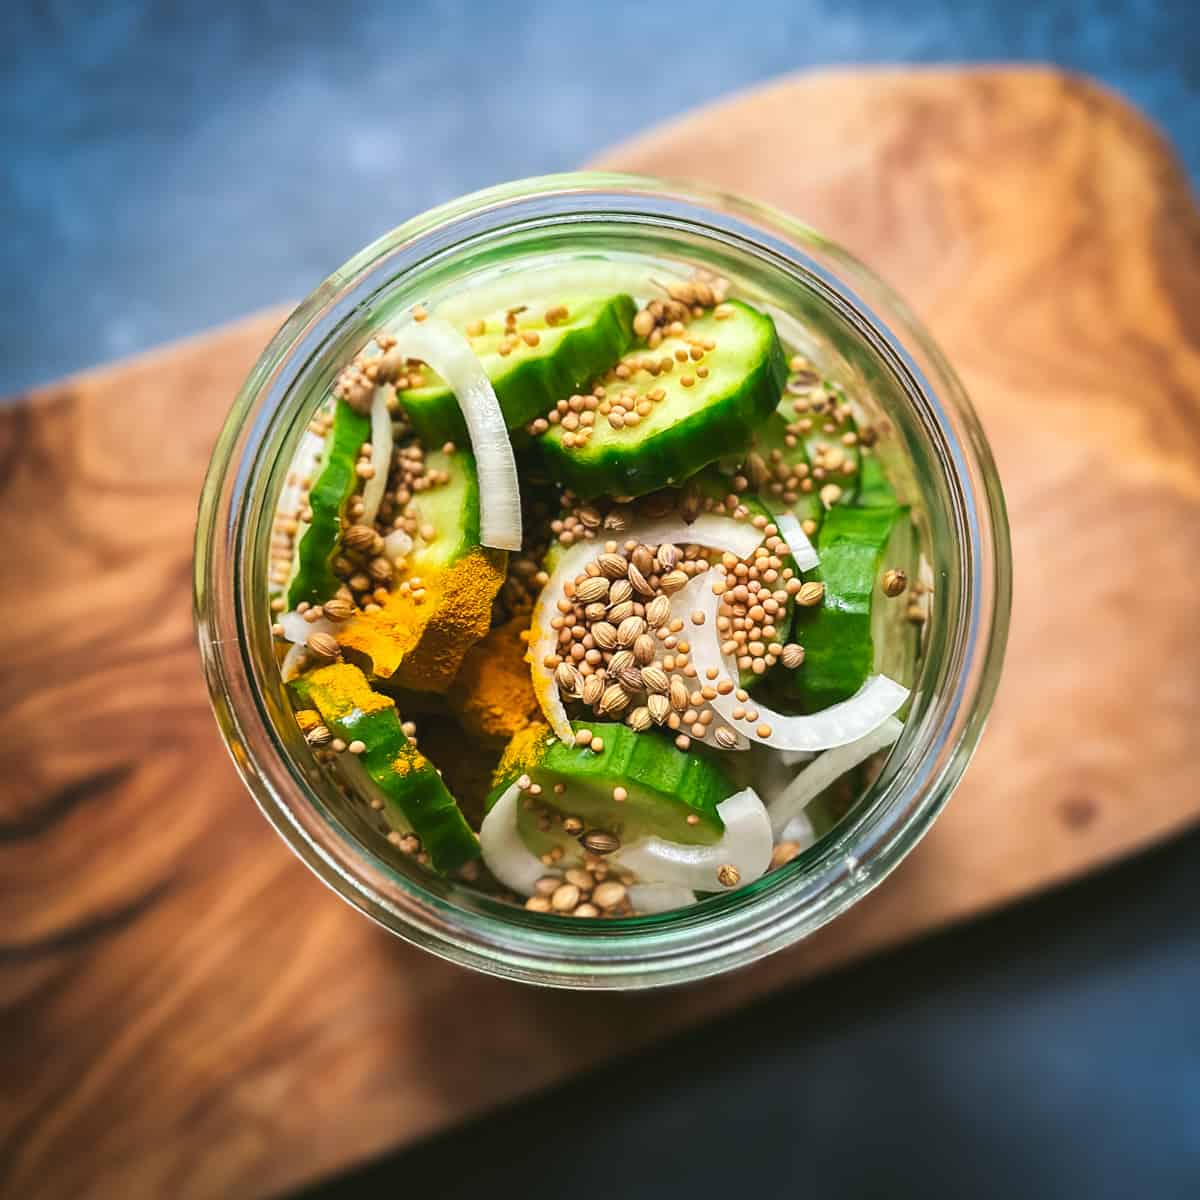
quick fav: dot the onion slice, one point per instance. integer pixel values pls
(397, 544)
(448, 352)
(543, 638)
(836, 725)
(289, 668)
(504, 850)
(799, 830)
(381, 454)
(296, 629)
(803, 551)
(708, 529)
(824, 770)
(745, 845)
(648, 898)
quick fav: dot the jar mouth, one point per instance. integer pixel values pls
(959, 675)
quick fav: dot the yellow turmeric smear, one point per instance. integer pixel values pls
(409, 761)
(524, 752)
(345, 688)
(493, 694)
(421, 646)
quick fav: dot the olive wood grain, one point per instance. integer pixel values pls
(188, 1013)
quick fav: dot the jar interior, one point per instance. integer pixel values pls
(814, 318)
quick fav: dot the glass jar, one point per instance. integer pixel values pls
(859, 331)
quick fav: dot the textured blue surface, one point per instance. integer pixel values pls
(169, 166)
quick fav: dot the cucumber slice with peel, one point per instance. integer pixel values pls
(663, 785)
(418, 638)
(529, 380)
(680, 426)
(406, 780)
(314, 579)
(857, 630)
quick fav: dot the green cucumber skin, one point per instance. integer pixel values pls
(839, 651)
(453, 506)
(874, 490)
(315, 580)
(421, 797)
(633, 466)
(533, 383)
(648, 762)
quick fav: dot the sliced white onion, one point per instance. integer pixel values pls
(543, 638)
(708, 529)
(825, 769)
(397, 544)
(504, 850)
(381, 454)
(799, 830)
(745, 844)
(836, 725)
(803, 551)
(292, 661)
(449, 353)
(795, 758)
(648, 898)
(297, 629)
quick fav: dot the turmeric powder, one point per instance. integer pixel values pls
(347, 689)
(493, 694)
(524, 752)
(421, 645)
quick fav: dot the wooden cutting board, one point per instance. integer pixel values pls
(187, 1012)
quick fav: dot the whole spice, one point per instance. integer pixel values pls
(657, 611)
(318, 735)
(592, 589)
(640, 720)
(600, 841)
(338, 609)
(672, 581)
(678, 694)
(810, 594)
(894, 582)
(659, 708)
(324, 645)
(612, 565)
(728, 875)
(792, 656)
(605, 635)
(643, 649)
(614, 699)
(630, 630)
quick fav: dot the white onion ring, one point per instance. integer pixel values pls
(803, 551)
(824, 770)
(448, 352)
(836, 725)
(648, 898)
(381, 454)
(296, 629)
(543, 640)
(504, 850)
(799, 830)
(746, 845)
(397, 544)
(708, 529)
(289, 668)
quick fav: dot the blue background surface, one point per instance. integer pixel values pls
(169, 166)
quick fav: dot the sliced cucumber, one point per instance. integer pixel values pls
(664, 786)
(408, 782)
(314, 579)
(874, 489)
(442, 605)
(854, 631)
(451, 508)
(686, 427)
(529, 380)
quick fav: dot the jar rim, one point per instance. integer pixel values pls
(720, 933)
